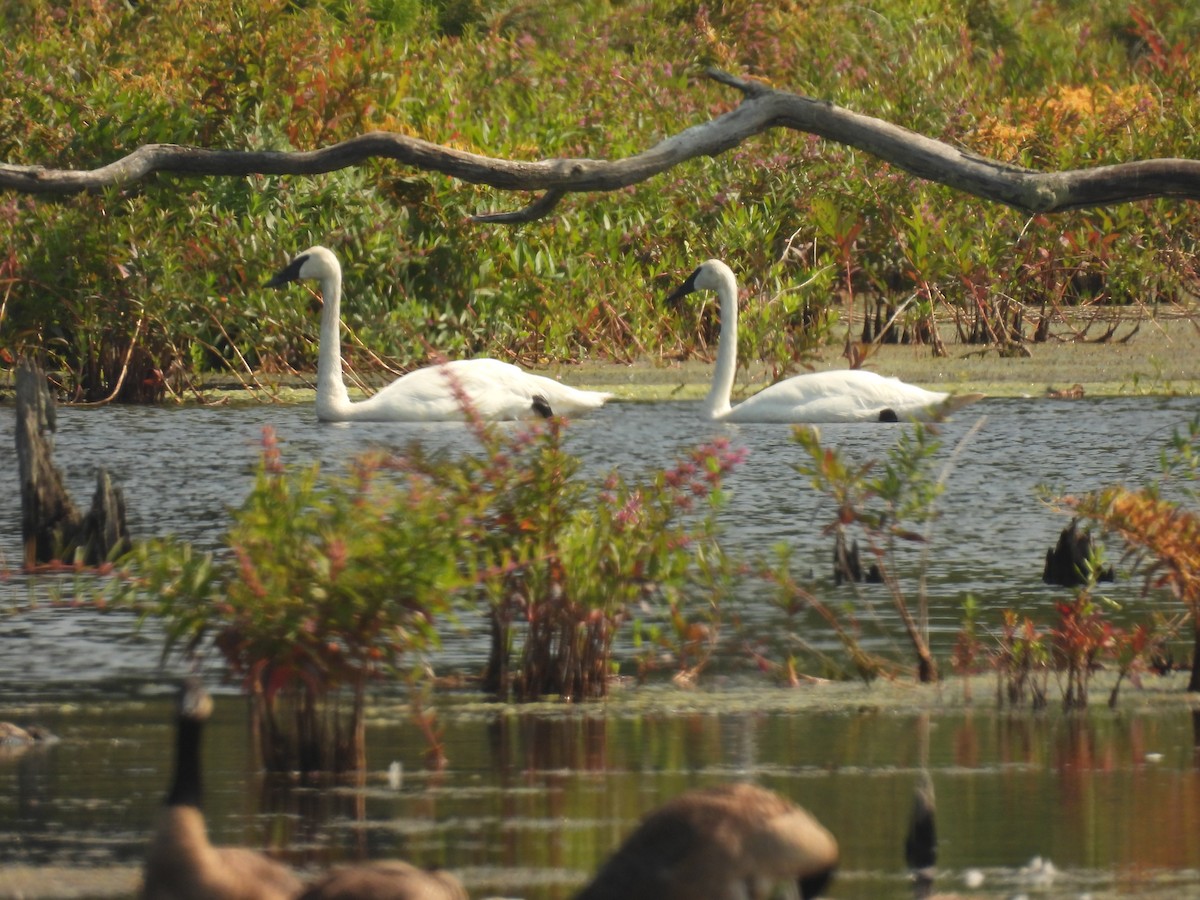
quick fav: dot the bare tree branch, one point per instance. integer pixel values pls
(762, 109)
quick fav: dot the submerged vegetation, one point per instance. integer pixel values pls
(143, 294)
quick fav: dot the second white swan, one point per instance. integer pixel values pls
(497, 390)
(848, 395)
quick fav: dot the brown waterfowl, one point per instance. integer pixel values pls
(385, 880)
(181, 863)
(1075, 392)
(12, 735)
(733, 842)
(920, 843)
(16, 741)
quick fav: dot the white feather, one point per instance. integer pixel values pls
(848, 395)
(497, 390)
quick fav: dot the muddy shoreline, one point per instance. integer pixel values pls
(1145, 356)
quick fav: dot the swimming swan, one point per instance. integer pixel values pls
(848, 395)
(498, 390)
(733, 840)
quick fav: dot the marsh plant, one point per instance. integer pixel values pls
(885, 503)
(328, 582)
(1022, 661)
(1159, 524)
(564, 563)
(324, 584)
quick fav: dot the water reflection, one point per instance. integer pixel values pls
(182, 469)
(533, 799)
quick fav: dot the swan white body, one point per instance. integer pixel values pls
(849, 395)
(497, 390)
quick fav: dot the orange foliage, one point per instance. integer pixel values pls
(1159, 528)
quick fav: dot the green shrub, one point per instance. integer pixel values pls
(580, 79)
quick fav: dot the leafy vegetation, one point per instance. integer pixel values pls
(138, 295)
(328, 582)
(886, 502)
(891, 501)
(1161, 531)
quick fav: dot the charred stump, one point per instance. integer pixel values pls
(847, 565)
(1069, 563)
(52, 528)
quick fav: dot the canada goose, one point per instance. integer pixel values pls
(920, 842)
(385, 880)
(848, 395)
(1075, 392)
(12, 735)
(181, 863)
(733, 842)
(497, 390)
(16, 741)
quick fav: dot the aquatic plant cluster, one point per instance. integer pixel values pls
(144, 293)
(328, 582)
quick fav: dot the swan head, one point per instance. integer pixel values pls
(708, 276)
(315, 262)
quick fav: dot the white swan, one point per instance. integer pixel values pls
(849, 395)
(497, 390)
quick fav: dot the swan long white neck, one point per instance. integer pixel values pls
(498, 390)
(716, 405)
(333, 401)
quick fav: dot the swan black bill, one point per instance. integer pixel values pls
(289, 273)
(684, 289)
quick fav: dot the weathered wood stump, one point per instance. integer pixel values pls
(1069, 563)
(848, 567)
(52, 528)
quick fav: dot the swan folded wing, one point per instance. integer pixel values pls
(782, 403)
(500, 390)
(432, 394)
(563, 399)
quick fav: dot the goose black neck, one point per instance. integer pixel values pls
(186, 788)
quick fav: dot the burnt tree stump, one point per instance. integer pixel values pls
(847, 565)
(52, 528)
(1069, 563)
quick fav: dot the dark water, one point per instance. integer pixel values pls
(533, 799)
